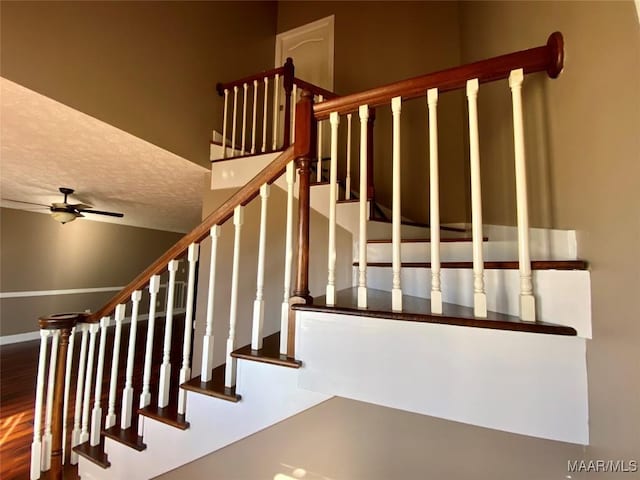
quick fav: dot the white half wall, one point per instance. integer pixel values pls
(525, 383)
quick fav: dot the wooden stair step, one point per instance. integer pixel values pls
(168, 415)
(410, 223)
(270, 353)
(128, 437)
(415, 309)
(213, 388)
(322, 182)
(428, 240)
(493, 265)
(351, 200)
(94, 454)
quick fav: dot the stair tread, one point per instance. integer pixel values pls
(128, 437)
(213, 388)
(168, 415)
(419, 224)
(417, 309)
(95, 454)
(494, 265)
(427, 240)
(269, 353)
(323, 182)
(350, 200)
(246, 155)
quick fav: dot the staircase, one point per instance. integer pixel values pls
(479, 324)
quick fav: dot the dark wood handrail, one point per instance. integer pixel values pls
(314, 89)
(221, 87)
(549, 58)
(248, 192)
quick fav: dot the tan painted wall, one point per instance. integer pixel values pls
(584, 174)
(382, 42)
(38, 253)
(149, 68)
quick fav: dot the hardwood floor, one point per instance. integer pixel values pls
(18, 369)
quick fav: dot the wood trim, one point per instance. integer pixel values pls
(314, 89)
(417, 310)
(494, 265)
(243, 196)
(547, 58)
(220, 87)
(248, 155)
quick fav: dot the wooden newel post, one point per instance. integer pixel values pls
(64, 322)
(305, 142)
(287, 83)
(370, 123)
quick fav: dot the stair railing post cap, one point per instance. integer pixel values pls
(62, 321)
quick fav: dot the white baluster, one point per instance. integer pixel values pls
(185, 371)
(396, 292)
(46, 438)
(165, 368)
(110, 421)
(234, 140)
(127, 392)
(527, 300)
(244, 117)
(334, 120)
(82, 363)
(479, 296)
(294, 100)
(145, 396)
(264, 114)
(207, 341)
(36, 444)
(363, 112)
(67, 386)
(258, 304)
(255, 113)
(96, 413)
(347, 187)
(288, 258)
(84, 433)
(319, 171)
(224, 123)
(276, 109)
(434, 201)
(230, 369)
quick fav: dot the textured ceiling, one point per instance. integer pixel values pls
(45, 145)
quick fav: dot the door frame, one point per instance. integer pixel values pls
(309, 27)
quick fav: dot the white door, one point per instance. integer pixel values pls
(311, 47)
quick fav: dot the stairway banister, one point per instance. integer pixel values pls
(549, 58)
(221, 87)
(243, 196)
(314, 89)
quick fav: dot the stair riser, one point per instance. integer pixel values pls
(454, 252)
(512, 381)
(270, 394)
(562, 296)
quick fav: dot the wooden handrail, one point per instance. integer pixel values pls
(314, 89)
(549, 58)
(248, 192)
(221, 87)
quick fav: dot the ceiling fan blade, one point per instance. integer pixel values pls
(99, 212)
(28, 203)
(81, 207)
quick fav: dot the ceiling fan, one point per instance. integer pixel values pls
(65, 212)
